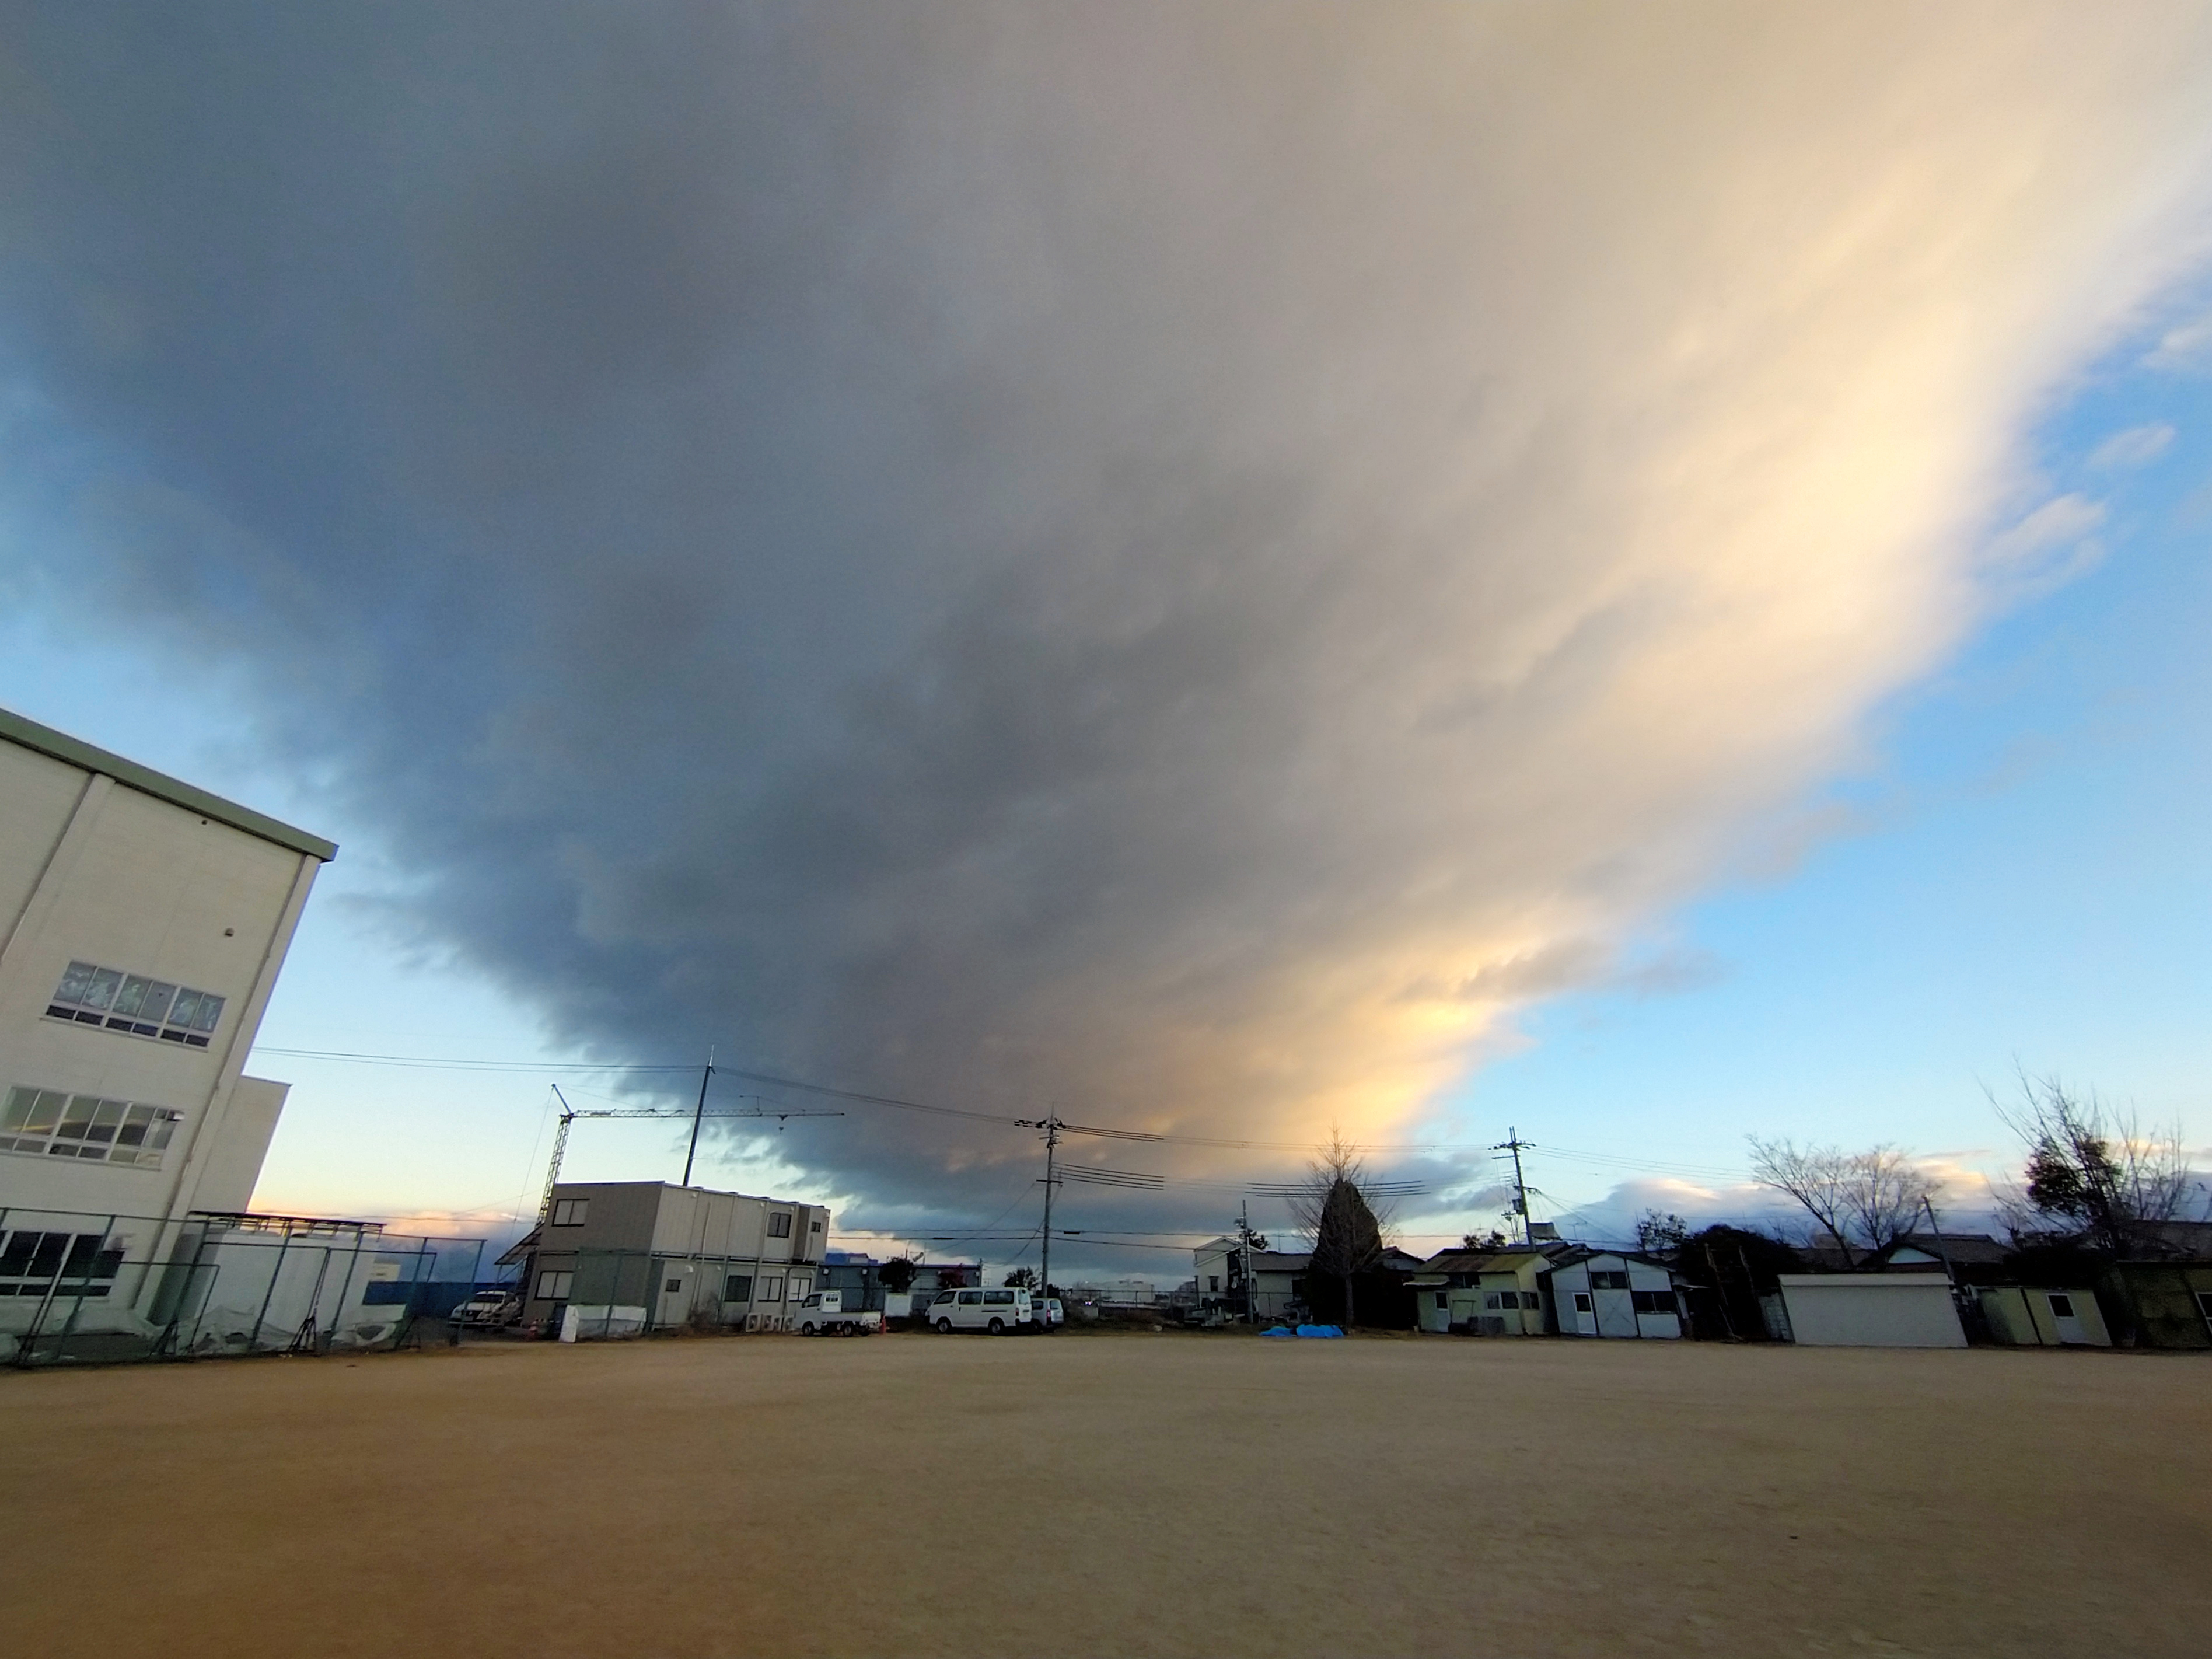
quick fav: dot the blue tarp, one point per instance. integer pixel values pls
(1304, 1330)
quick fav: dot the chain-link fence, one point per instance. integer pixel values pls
(78, 1288)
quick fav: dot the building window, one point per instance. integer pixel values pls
(737, 1287)
(1214, 1281)
(2061, 1307)
(43, 1123)
(779, 1225)
(1609, 1281)
(135, 1005)
(555, 1286)
(815, 1225)
(571, 1212)
(1582, 1302)
(673, 1286)
(1653, 1302)
(31, 1263)
(771, 1288)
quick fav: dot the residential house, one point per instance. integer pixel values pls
(1484, 1292)
(1968, 1258)
(1275, 1291)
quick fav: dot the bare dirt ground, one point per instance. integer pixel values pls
(1137, 1494)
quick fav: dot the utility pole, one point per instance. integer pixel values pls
(698, 1115)
(1245, 1238)
(1515, 1144)
(1051, 1125)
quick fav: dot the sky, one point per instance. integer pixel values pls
(1219, 570)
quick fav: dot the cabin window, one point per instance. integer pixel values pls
(555, 1286)
(2061, 1307)
(779, 1225)
(737, 1287)
(1654, 1301)
(1582, 1302)
(571, 1212)
(1609, 1281)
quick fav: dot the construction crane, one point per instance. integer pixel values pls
(570, 1114)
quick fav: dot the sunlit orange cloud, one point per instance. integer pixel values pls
(1757, 345)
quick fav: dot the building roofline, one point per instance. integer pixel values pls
(59, 745)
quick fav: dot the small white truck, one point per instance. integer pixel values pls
(824, 1314)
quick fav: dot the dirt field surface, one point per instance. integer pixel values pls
(1131, 1494)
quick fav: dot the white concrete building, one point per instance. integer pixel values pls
(142, 924)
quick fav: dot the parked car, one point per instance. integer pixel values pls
(1050, 1315)
(492, 1307)
(999, 1312)
(824, 1314)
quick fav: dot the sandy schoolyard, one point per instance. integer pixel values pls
(1129, 1494)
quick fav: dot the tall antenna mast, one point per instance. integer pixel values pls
(698, 1115)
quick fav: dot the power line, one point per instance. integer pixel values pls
(1656, 1166)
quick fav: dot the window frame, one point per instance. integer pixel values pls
(124, 1134)
(571, 1212)
(93, 995)
(564, 1279)
(776, 1231)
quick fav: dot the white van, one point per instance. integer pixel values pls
(995, 1311)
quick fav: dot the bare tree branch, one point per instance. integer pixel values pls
(2090, 1166)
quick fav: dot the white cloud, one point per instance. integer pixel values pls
(2137, 446)
(2050, 547)
(2186, 348)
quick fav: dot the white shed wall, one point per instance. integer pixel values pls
(1872, 1311)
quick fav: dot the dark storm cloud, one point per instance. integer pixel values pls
(1174, 560)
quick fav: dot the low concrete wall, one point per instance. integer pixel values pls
(1872, 1311)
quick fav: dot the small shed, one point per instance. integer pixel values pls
(2026, 1318)
(1614, 1293)
(1872, 1311)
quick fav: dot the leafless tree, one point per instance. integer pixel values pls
(1343, 1222)
(2094, 1169)
(1863, 1201)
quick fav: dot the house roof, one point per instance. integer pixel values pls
(1575, 1255)
(1511, 1259)
(59, 745)
(1961, 1249)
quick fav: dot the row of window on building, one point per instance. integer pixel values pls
(136, 1005)
(553, 1285)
